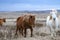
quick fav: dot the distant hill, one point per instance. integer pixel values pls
(45, 11)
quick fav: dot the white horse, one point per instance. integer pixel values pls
(52, 22)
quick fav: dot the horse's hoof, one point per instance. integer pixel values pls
(15, 36)
(31, 36)
(53, 38)
(24, 36)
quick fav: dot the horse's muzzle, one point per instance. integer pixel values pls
(54, 19)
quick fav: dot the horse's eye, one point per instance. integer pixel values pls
(30, 16)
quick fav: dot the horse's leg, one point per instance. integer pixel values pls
(31, 31)
(51, 30)
(55, 34)
(1, 25)
(16, 31)
(56, 23)
(56, 27)
(25, 30)
(52, 33)
(22, 31)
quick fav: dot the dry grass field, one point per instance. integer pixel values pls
(40, 32)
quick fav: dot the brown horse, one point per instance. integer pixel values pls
(25, 22)
(1, 21)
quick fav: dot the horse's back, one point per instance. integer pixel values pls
(19, 21)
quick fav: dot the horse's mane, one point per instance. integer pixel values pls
(18, 18)
(50, 17)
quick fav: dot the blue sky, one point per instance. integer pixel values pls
(21, 5)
